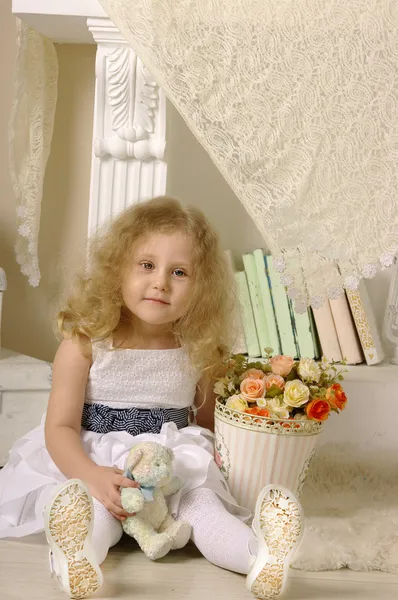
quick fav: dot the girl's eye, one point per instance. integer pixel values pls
(179, 272)
(147, 266)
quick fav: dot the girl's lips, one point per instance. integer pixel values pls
(156, 300)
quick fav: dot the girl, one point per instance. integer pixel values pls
(144, 329)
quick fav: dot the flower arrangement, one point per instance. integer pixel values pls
(281, 388)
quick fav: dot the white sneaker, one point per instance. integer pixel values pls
(278, 526)
(68, 523)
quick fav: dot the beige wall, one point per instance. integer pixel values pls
(193, 177)
(28, 312)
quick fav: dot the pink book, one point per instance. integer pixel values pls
(346, 332)
(327, 333)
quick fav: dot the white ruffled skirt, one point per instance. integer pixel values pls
(30, 476)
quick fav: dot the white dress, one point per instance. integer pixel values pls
(133, 382)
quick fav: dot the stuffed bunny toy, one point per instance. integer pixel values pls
(151, 465)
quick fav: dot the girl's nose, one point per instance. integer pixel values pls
(160, 281)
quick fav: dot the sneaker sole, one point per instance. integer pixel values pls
(68, 522)
(278, 524)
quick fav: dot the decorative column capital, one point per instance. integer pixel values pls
(129, 136)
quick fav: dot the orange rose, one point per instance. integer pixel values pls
(281, 365)
(260, 412)
(251, 389)
(336, 397)
(253, 374)
(317, 410)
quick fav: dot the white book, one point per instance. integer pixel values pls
(366, 325)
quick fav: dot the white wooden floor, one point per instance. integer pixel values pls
(182, 575)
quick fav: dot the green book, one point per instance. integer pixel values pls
(239, 342)
(305, 339)
(282, 311)
(266, 299)
(249, 327)
(257, 304)
(315, 335)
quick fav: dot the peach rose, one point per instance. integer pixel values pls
(253, 374)
(281, 365)
(251, 389)
(274, 380)
(336, 396)
(318, 410)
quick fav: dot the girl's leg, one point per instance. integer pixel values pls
(221, 537)
(264, 554)
(80, 532)
(107, 531)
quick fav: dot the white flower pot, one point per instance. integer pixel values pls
(254, 451)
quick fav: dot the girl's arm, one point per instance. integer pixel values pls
(205, 401)
(63, 425)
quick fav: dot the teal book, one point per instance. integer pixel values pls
(249, 327)
(266, 299)
(257, 304)
(302, 327)
(239, 345)
(315, 336)
(294, 329)
(281, 307)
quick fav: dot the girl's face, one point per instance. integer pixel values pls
(158, 279)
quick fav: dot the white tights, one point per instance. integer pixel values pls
(219, 536)
(107, 531)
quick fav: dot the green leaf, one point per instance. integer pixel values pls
(292, 375)
(273, 391)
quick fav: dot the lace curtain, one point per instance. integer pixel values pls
(30, 133)
(296, 103)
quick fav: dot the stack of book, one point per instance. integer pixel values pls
(344, 328)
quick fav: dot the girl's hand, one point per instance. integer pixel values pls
(104, 484)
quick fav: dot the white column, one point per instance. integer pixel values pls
(129, 136)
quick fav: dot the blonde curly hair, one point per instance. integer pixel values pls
(96, 310)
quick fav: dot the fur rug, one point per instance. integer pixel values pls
(350, 502)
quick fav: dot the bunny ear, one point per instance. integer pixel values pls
(137, 455)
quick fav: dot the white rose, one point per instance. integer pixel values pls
(277, 407)
(236, 402)
(309, 370)
(262, 402)
(219, 388)
(296, 393)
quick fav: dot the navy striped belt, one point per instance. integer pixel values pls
(104, 419)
